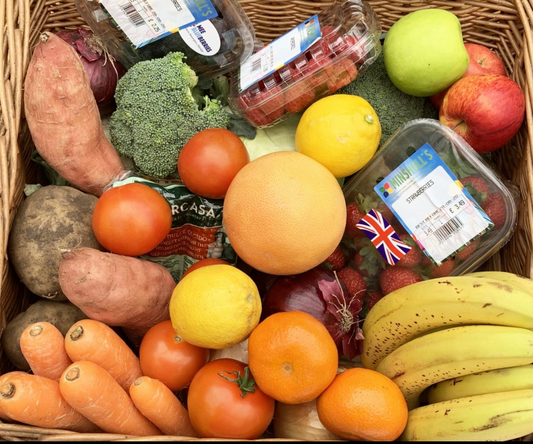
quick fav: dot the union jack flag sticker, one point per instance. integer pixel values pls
(383, 236)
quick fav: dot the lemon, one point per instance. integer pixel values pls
(215, 307)
(341, 132)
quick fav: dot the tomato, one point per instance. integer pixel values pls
(219, 409)
(210, 160)
(204, 262)
(131, 219)
(165, 356)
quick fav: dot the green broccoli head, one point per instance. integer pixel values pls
(156, 114)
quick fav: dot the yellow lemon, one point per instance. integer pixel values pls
(341, 132)
(215, 307)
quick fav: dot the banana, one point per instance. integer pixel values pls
(491, 381)
(492, 417)
(508, 278)
(454, 352)
(456, 300)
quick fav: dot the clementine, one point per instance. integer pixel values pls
(292, 356)
(363, 405)
(284, 213)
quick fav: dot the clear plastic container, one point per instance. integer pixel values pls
(349, 44)
(213, 47)
(440, 197)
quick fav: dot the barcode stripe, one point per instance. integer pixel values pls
(135, 18)
(256, 65)
(450, 227)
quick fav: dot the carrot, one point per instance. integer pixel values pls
(43, 346)
(159, 404)
(37, 401)
(5, 376)
(94, 393)
(90, 340)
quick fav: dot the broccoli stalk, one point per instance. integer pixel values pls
(157, 114)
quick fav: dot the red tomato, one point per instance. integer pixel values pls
(217, 407)
(210, 160)
(204, 262)
(131, 219)
(165, 356)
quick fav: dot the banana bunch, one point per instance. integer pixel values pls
(463, 345)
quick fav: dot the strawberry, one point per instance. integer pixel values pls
(353, 215)
(413, 256)
(494, 206)
(432, 271)
(477, 187)
(467, 251)
(372, 296)
(394, 278)
(354, 282)
(336, 260)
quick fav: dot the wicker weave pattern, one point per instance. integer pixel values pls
(503, 25)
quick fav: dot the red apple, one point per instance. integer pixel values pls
(487, 110)
(482, 61)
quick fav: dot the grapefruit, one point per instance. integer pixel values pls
(284, 213)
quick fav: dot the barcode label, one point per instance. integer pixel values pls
(256, 65)
(448, 229)
(132, 14)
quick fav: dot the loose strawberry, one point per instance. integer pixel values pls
(394, 278)
(336, 260)
(477, 187)
(413, 256)
(353, 215)
(467, 251)
(354, 282)
(494, 207)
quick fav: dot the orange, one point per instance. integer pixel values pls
(363, 405)
(292, 356)
(284, 213)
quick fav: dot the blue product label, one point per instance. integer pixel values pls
(432, 205)
(145, 21)
(279, 52)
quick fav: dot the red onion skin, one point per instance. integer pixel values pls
(103, 71)
(317, 293)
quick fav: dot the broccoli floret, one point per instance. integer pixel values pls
(157, 114)
(393, 107)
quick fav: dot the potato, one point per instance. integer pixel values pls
(51, 220)
(61, 314)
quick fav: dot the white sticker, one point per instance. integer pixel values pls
(432, 205)
(144, 21)
(280, 52)
(203, 38)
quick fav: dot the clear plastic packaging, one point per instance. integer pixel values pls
(213, 47)
(349, 44)
(441, 198)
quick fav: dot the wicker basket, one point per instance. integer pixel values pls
(503, 25)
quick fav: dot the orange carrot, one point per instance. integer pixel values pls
(43, 346)
(5, 376)
(90, 340)
(159, 404)
(94, 393)
(37, 401)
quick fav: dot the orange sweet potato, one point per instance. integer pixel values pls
(64, 120)
(120, 291)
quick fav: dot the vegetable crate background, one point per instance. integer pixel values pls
(504, 26)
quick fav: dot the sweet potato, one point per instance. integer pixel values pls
(64, 120)
(119, 291)
(52, 219)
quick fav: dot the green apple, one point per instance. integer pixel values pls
(424, 52)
